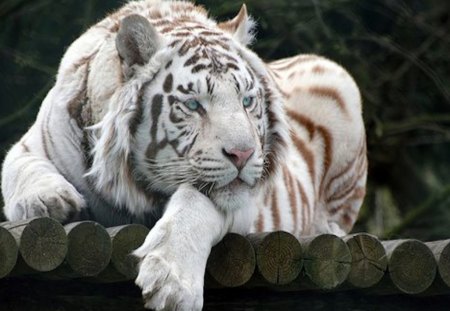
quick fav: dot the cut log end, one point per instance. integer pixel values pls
(89, 248)
(125, 239)
(441, 252)
(369, 261)
(278, 256)
(327, 260)
(232, 261)
(43, 244)
(8, 252)
(412, 267)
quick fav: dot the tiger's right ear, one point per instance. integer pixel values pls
(137, 40)
(241, 27)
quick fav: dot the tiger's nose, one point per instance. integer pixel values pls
(238, 157)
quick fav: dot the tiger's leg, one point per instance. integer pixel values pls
(323, 106)
(32, 186)
(174, 254)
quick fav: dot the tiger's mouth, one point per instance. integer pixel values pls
(234, 185)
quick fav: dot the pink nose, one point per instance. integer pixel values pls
(238, 157)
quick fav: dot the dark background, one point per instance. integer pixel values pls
(397, 51)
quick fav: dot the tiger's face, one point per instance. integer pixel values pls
(205, 124)
(192, 105)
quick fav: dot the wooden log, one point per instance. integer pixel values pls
(232, 261)
(42, 242)
(369, 260)
(8, 252)
(411, 265)
(327, 260)
(126, 239)
(441, 252)
(278, 256)
(123, 266)
(89, 248)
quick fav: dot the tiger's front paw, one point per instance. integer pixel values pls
(52, 197)
(165, 286)
(174, 255)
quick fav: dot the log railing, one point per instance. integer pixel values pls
(45, 249)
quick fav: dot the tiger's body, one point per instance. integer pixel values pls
(321, 185)
(158, 112)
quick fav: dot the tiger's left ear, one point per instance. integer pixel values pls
(136, 42)
(241, 27)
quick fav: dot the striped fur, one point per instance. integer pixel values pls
(323, 106)
(140, 125)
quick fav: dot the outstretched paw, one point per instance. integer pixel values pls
(174, 254)
(165, 287)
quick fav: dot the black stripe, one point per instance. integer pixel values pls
(199, 67)
(137, 115)
(188, 90)
(192, 60)
(168, 83)
(157, 103)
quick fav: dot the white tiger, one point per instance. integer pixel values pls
(159, 112)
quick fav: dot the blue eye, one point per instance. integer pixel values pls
(192, 104)
(247, 101)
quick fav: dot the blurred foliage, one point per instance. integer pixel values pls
(397, 51)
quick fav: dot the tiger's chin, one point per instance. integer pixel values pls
(235, 195)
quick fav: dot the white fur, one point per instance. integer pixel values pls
(174, 254)
(172, 268)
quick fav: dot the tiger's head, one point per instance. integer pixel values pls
(196, 106)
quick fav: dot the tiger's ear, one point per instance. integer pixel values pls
(241, 27)
(137, 40)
